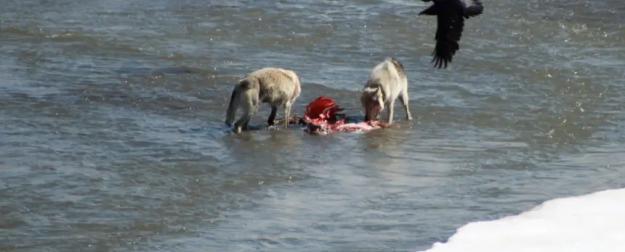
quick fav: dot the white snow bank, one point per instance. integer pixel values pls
(594, 222)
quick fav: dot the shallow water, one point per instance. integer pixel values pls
(112, 135)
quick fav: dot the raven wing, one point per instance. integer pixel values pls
(472, 8)
(448, 33)
(450, 22)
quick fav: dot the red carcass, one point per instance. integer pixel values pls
(323, 117)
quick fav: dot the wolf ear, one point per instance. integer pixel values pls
(379, 97)
(370, 90)
(379, 93)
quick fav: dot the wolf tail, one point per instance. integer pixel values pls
(232, 106)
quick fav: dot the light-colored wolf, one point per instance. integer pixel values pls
(276, 86)
(386, 83)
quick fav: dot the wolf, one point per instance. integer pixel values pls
(276, 86)
(386, 83)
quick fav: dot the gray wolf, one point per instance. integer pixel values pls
(276, 86)
(386, 83)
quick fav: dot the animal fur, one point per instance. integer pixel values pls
(386, 83)
(276, 86)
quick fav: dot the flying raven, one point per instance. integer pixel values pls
(450, 17)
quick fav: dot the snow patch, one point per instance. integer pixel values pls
(594, 222)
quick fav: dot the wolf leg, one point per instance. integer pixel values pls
(272, 116)
(249, 105)
(241, 124)
(404, 100)
(391, 106)
(287, 114)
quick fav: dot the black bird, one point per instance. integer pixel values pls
(451, 15)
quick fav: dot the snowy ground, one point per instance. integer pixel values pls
(594, 222)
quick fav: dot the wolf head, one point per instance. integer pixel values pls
(372, 100)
